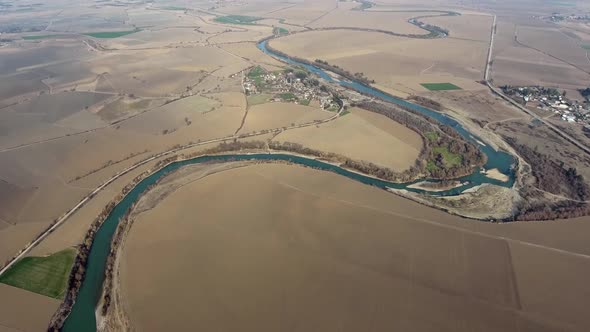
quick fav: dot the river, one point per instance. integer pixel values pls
(82, 317)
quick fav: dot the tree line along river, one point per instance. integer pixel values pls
(82, 316)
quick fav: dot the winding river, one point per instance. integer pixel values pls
(82, 316)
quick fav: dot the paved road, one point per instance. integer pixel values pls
(499, 92)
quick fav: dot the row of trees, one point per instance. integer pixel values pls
(446, 139)
(528, 211)
(428, 103)
(343, 72)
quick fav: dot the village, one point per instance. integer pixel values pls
(289, 85)
(557, 17)
(550, 99)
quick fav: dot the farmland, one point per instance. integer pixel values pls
(440, 86)
(43, 275)
(37, 37)
(110, 34)
(317, 239)
(109, 92)
(237, 19)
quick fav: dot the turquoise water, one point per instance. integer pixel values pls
(82, 318)
(496, 159)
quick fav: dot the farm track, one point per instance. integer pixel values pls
(88, 197)
(512, 102)
(520, 43)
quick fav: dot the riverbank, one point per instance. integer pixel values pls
(172, 160)
(112, 310)
(220, 246)
(116, 210)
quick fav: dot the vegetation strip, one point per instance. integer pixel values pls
(238, 19)
(110, 34)
(440, 86)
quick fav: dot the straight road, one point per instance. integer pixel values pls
(499, 92)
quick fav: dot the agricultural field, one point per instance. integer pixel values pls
(99, 91)
(559, 63)
(440, 86)
(280, 114)
(390, 21)
(394, 62)
(37, 37)
(237, 19)
(362, 135)
(16, 301)
(110, 34)
(344, 232)
(42, 275)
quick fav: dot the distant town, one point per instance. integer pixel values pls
(287, 85)
(557, 17)
(550, 99)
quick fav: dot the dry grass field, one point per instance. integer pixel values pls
(390, 21)
(561, 46)
(298, 249)
(249, 51)
(331, 254)
(466, 26)
(543, 57)
(305, 12)
(362, 135)
(394, 62)
(479, 105)
(277, 114)
(24, 311)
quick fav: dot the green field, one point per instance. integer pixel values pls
(287, 96)
(42, 275)
(305, 102)
(280, 31)
(256, 74)
(258, 99)
(431, 166)
(585, 46)
(450, 159)
(431, 136)
(238, 19)
(440, 86)
(40, 37)
(110, 34)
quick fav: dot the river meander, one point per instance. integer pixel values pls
(82, 317)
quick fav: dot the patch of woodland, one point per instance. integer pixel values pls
(540, 210)
(445, 153)
(359, 76)
(553, 177)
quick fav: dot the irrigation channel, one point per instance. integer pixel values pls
(82, 316)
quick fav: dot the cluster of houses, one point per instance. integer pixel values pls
(556, 17)
(288, 85)
(549, 99)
